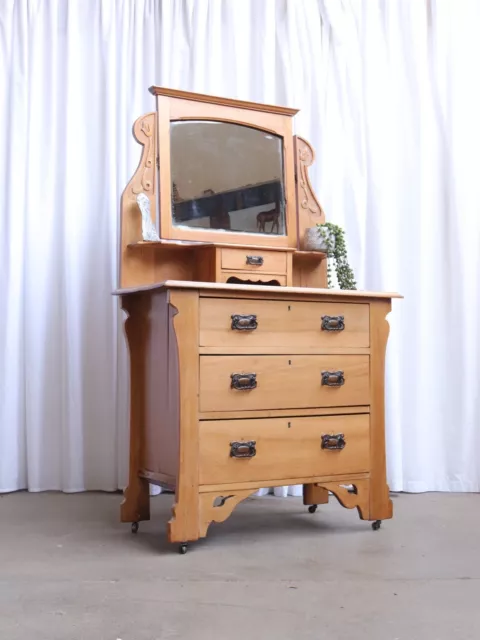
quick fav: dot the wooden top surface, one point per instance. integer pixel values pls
(247, 288)
(228, 102)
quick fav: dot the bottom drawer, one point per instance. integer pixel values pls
(275, 448)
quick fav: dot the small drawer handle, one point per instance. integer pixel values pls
(333, 323)
(244, 323)
(243, 449)
(257, 261)
(333, 442)
(333, 378)
(244, 381)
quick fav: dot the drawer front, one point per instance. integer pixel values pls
(253, 260)
(254, 277)
(283, 324)
(246, 383)
(276, 448)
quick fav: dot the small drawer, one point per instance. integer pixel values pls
(253, 277)
(283, 323)
(275, 448)
(250, 383)
(253, 260)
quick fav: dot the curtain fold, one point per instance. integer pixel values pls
(389, 98)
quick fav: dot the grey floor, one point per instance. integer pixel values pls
(70, 571)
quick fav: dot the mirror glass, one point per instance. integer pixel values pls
(226, 177)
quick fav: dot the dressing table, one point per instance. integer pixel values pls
(245, 370)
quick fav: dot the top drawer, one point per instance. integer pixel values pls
(253, 260)
(272, 323)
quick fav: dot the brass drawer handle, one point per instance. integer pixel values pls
(333, 323)
(333, 442)
(243, 449)
(333, 378)
(244, 381)
(257, 261)
(244, 323)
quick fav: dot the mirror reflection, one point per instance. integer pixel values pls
(226, 177)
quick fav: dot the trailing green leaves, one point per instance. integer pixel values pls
(334, 239)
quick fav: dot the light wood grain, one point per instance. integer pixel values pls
(309, 269)
(284, 350)
(220, 100)
(135, 268)
(183, 350)
(218, 289)
(381, 507)
(310, 212)
(237, 260)
(313, 494)
(136, 503)
(185, 522)
(359, 499)
(283, 382)
(170, 262)
(164, 170)
(175, 106)
(285, 448)
(209, 512)
(282, 324)
(277, 413)
(182, 244)
(345, 478)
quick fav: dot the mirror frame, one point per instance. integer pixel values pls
(180, 105)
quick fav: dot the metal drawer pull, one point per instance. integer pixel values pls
(333, 442)
(333, 323)
(333, 378)
(244, 381)
(255, 260)
(244, 323)
(243, 449)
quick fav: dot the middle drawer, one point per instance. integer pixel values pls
(248, 383)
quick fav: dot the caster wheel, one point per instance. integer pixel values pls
(182, 549)
(376, 525)
(312, 508)
(134, 527)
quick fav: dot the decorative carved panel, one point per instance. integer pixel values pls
(310, 211)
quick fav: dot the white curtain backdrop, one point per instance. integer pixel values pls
(389, 94)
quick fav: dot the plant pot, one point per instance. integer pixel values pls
(313, 240)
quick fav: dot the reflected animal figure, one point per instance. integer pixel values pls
(268, 216)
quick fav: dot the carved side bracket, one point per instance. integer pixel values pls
(144, 178)
(142, 181)
(359, 499)
(209, 512)
(310, 211)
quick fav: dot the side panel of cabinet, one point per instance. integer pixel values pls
(162, 402)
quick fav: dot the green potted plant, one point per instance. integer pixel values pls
(330, 238)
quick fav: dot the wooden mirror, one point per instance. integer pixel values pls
(224, 190)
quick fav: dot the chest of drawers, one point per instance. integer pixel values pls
(235, 388)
